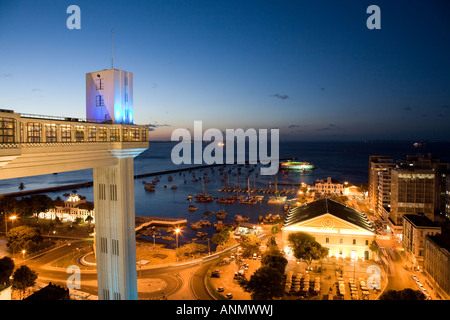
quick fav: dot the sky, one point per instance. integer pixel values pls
(311, 69)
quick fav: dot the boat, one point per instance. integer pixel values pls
(173, 187)
(276, 199)
(201, 234)
(221, 214)
(189, 197)
(297, 165)
(169, 178)
(196, 225)
(192, 208)
(240, 218)
(149, 187)
(208, 213)
(204, 197)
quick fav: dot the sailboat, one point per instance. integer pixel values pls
(276, 199)
(204, 197)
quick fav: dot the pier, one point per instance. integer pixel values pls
(165, 222)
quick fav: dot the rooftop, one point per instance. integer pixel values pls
(323, 206)
(419, 220)
(442, 240)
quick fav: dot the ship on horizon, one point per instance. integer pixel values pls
(297, 165)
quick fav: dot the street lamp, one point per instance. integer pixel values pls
(12, 219)
(177, 231)
(23, 255)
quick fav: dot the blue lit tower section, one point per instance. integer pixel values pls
(109, 96)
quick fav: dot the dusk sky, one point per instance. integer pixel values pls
(309, 68)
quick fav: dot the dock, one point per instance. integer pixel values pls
(158, 221)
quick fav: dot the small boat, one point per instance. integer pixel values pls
(201, 234)
(189, 197)
(297, 165)
(221, 214)
(208, 213)
(149, 187)
(173, 187)
(169, 178)
(240, 218)
(192, 208)
(196, 225)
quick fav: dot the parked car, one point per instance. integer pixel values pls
(215, 274)
(229, 296)
(220, 289)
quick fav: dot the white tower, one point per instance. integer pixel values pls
(109, 96)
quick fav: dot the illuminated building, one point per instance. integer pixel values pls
(415, 228)
(107, 141)
(109, 96)
(329, 187)
(437, 261)
(346, 232)
(379, 184)
(71, 209)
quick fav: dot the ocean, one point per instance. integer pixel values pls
(344, 161)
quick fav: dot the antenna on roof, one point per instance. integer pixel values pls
(112, 48)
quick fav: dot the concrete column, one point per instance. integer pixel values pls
(115, 230)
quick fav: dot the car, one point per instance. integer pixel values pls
(215, 274)
(229, 296)
(255, 256)
(220, 289)
(259, 257)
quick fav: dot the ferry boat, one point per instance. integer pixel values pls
(297, 165)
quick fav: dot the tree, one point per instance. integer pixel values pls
(405, 294)
(274, 259)
(306, 248)
(275, 229)
(6, 269)
(23, 238)
(191, 249)
(221, 237)
(250, 244)
(374, 246)
(89, 219)
(264, 284)
(24, 278)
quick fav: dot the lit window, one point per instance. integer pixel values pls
(99, 84)
(100, 102)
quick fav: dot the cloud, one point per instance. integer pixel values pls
(280, 96)
(293, 126)
(6, 75)
(321, 88)
(157, 125)
(329, 127)
(36, 90)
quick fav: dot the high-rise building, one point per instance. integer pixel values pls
(379, 182)
(109, 96)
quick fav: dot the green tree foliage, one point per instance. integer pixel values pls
(221, 237)
(306, 248)
(191, 249)
(274, 259)
(24, 238)
(374, 246)
(264, 284)
(405, 294)
(24, 278)
(250, 244)
(6, 269)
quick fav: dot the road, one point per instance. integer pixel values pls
(169, 280)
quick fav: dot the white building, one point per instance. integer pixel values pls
(346, 232)
(71, 209)
(109, 96)
(329, 187)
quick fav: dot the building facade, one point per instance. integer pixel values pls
(329, 187)
(415, 228)
(75, 207)
(379, 181)
(346, 232)
(437, 261)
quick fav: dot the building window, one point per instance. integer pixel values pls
(50, 133)
(99, 84)
(125, 134)
(103, 245)
(341, 241)
(144, 134)
(66, 133)
(367, 242)
(34, 132)
(99, 101)
(327, 240)
(101, 132)
(114, 134)
(340, 252)
(135, 134)
(7, 130)
(92, 134)
(126, 97)
(79, 133)
(354, 241)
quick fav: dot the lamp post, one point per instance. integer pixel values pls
(177, 231)
(23, 255)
